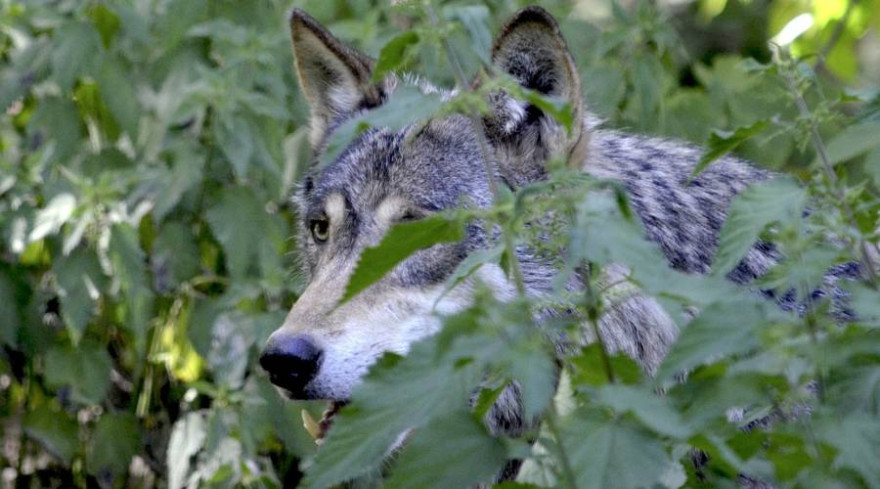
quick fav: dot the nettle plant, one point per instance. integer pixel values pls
(749, 391)
(139, 141)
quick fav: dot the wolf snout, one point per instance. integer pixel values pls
(292, 361)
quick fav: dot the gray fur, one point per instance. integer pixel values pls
(384, 176)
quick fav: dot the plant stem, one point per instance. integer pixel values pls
(839, 193)
(592, 318)
(485, 154)
(567, 471)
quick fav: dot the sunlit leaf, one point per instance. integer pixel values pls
(402, 240)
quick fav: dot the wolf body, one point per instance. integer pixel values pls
(383, 176)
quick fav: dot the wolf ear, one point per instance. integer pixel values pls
(335, 78)
(531, 49)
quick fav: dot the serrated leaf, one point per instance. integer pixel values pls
(558, 108)
(857, 440)
(865, 302)
(85, 370)
(393, 54)
(79, 276)
(54, 430)
(653, 411)
(77, 52)
(50, 218)
(130, 270)
(722, 142)
(607, 453)
(469, 266)
(119, 95)
(235, 220)
(590, 368)
(755, 208)
(397, 394)
(408, 105)
(853, 141)
(114, 442)
(475, 19)
(721, 329)
(187, 439)
(175, 255)
(441, 455)
(234, 135)
(402, 240)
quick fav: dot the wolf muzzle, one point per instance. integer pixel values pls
(292, 362)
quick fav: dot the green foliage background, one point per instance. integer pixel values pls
(149, 149)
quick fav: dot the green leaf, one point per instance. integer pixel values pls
(187, 439)
(80, 280)
(651, 410)
(129, 267)
(175, 255)
(590, 367)
(50, 218)
(402, 240)
(755, 208)
(119, 95)
(558, 108)
(106, 22)
(117, 438)
(57, 121)
(233, 133)
(722, 142)
(853, 141)
(54, 430)
(857, 440)
(408, 105)
(187, 172)
(10, 315)
(475, 19)
(396, 395)
(865, 302)
(607, 453)
(394, 54)
(85, 370)
(469, 266)
(721, 329)
(442, 455)
(236, 220)
(77, 52)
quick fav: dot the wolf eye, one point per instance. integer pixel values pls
(320, 229)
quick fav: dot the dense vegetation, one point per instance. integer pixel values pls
(148, 150)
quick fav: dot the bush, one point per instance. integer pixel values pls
(148, 153)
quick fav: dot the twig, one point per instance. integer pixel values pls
(819, 144)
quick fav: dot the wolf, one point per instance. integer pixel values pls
(385, 176)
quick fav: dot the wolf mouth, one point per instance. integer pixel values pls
(318, 429)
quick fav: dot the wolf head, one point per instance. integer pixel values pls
(383, 177)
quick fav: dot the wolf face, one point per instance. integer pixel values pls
(383, 177)
(321, 351)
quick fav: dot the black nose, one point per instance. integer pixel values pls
(292, 362)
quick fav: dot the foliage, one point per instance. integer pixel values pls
(148, 153)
